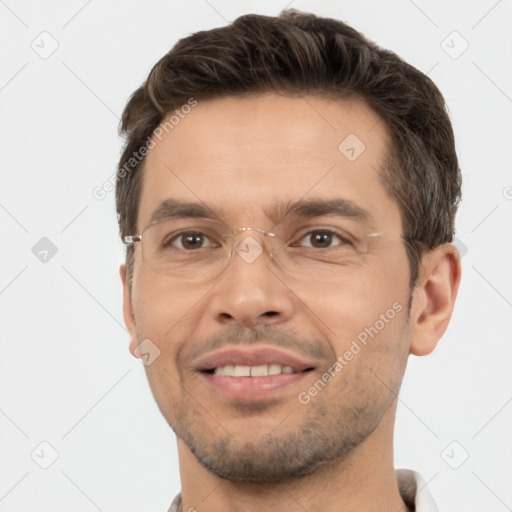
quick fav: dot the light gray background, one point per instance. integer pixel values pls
(67, 377)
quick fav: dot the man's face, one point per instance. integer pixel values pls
(244, 158)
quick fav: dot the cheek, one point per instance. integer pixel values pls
(159, 304)
(370, 302)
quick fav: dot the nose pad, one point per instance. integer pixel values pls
(250, 247)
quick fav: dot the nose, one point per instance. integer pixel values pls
(252, 292)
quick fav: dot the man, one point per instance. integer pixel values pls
(287, 195)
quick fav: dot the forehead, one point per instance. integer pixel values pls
(245, 155)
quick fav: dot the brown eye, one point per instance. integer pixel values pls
(321, 239)
(189, 241)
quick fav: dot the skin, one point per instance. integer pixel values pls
(335, 452)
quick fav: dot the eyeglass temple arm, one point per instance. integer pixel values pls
(130, 240)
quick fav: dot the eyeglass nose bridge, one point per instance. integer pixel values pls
(259, 230)
(249, 249)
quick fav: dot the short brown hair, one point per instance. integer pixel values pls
(299, 53)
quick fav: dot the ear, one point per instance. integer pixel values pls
(434, 298)
(129, 317)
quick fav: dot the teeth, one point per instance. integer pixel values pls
(259, 371)
(225, 370)
(242, 371)
(274, 369)
(253, 371)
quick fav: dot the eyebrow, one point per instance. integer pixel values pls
(304, 209)
(176, 209)
(309, 209)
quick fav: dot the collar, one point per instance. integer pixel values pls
(411, 486)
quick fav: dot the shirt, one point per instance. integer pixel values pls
(411, 485)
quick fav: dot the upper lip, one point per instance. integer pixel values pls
(255, 356)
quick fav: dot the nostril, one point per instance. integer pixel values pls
(271, 313)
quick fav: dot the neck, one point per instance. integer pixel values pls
(364, 480)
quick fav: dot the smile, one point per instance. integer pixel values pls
(253, 371)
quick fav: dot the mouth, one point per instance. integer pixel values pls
(256, 374)
(263, 370)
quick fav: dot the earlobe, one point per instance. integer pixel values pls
(128, 315)
(434, 298)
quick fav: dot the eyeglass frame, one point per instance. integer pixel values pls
(131, 240)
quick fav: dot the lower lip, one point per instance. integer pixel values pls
(252, 388)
